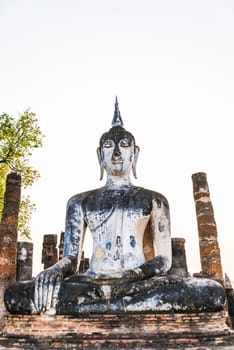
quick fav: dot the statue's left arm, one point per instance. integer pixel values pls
(47, 283)
(74, 231)
(161, 235)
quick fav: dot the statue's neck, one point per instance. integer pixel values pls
(118, 181)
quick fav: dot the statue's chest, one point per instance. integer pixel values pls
(103, 201)
(110, 208)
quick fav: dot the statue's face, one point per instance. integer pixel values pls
(118, 153)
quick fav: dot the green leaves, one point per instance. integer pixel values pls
(26, 210)
(4, 170)
(18, 138)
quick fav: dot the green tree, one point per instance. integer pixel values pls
(18, 138)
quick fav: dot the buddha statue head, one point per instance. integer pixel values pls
(117, 151)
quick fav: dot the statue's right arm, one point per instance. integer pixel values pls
(161, 234)
(47, 283)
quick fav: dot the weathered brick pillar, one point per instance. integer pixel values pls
(61, 245)
(49, 251)
(8, 234)
(230, 300)
(24, 261)
(207, 230)
(9, 226)
(84, 263)
(179, 262)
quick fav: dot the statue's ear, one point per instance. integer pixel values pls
(99, 154)
(136, 154)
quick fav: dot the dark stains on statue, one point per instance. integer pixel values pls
(118, 241)
(132, 241)
(102, 201)
(108, 245)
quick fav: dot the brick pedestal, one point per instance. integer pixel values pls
(123, 331)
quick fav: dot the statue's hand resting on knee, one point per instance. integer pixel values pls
(47, 284)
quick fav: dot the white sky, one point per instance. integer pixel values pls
(171, 63)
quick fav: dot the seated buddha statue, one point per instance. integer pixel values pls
(131, 254)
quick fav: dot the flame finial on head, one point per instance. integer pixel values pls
(117, 120)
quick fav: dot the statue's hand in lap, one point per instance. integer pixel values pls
(47, 285)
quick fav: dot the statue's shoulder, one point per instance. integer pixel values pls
(80, 197)
(153, 196)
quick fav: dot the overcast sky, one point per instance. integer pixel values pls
(171, 63)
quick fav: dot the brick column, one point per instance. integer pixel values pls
(230, 300)
(24, 261)
(179, 263)
(84, 264)
(207, 230)
(8, 234)
(49, 251)
(9, 226)
(61, 245)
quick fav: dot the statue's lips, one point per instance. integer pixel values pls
(117, 162)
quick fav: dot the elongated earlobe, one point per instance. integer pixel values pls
(136, 154)
(100, 162)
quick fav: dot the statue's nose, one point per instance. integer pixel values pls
(116, 152)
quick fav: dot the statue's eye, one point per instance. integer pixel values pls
(124, 143)
(108, 144)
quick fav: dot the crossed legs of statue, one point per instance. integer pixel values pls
(139, 290)
(157, 294)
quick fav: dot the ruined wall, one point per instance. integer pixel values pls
(49, 251)
(61, 245)
(24, 261)
(179, 262)
(84, 264)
